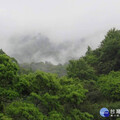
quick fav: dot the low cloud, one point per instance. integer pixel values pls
(36, 48)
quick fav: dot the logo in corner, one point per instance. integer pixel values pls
(104, 112)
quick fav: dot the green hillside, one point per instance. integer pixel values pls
(77, 90)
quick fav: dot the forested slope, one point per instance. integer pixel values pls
(48, 67)
(91, 82)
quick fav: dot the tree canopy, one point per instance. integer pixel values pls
(90, 83)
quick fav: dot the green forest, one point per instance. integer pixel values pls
(76, 90)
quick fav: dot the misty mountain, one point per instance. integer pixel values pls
(37, 48)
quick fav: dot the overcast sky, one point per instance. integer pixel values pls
(60, 21)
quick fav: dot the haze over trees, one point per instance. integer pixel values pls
(90, 83)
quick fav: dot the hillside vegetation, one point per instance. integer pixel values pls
(48, 67)
(90, 83)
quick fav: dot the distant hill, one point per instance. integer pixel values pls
(25, 68)
(46, 67)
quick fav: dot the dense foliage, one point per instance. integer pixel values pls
(91, 82)
(39, 95)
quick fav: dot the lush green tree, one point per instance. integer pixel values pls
(77, 115)
(72, 94)
(54, 115)
(46, 82)
(109, 52)
(110, 85)
(6, 95)
(93, 95)
(46, 103)
(91, 58)
(25, 84)
(38, 82)
(4, 117)
(106, 57)
(8, 71)
(8, 79)
(23, 111)
(80, 69)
